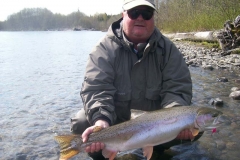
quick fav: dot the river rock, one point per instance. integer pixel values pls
(231, 145)
(216, 102)
(199, 56)
(21, 156)
(222, 79)
(235, 89)
(237, 80)
(209, 67)
(235, 95)
(221, 144)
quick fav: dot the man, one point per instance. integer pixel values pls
(133, 67)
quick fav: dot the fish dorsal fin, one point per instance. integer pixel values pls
(109, 154)
(97, 129)
(136, 113)
(147, 152)
(194, 131)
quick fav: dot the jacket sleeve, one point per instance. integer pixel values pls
(176, 82)
(97, 89)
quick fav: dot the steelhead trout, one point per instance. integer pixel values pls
(147, 130)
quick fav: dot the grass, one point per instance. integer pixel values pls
(204, 43)
(210, 44)
(236, 51)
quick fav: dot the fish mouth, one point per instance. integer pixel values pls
(208, 118)
(215, 124)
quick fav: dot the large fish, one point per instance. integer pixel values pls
(147, 130)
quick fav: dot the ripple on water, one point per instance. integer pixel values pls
(39, 92)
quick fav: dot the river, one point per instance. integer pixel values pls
(40, 79)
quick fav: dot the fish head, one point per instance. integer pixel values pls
(207, 118)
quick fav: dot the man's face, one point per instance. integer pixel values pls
(138, 30)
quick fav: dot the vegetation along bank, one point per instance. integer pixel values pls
(172, 16)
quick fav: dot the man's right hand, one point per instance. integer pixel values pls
(97, 146)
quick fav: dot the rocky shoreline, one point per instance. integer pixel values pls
(210, 59)
(198, 56)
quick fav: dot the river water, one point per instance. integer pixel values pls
(40, 80)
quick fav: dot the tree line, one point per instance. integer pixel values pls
(171, 16)
(42, 19)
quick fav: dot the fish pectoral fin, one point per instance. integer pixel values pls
(194, 131)
(65, 140)
(97, 129)
(147, 152)
(113, 155)
(109, 154)
(66, 143)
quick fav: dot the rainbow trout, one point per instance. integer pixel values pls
(147, 130)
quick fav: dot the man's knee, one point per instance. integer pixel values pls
(79, 123)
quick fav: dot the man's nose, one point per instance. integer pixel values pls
(140, 17)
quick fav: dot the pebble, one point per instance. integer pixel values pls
(237, 80)
(235, 89)
(235, 95)
(231, 145)
(234, 125)
(220, 144)
(222, 79)
(21, 157)
(218, 102)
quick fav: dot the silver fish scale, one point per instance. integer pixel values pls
(140, 122)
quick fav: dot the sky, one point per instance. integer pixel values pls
(89, 7)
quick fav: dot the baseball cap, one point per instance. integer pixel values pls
(129, 4)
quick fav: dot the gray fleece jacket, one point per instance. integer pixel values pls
(117, 79)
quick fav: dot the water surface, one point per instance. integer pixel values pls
(40, 80)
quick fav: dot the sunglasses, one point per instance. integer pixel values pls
(134, 14)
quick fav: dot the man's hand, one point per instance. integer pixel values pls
(185, 135)
(94, 147)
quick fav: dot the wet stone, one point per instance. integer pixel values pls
(222, 79)
(223, 157)
(208, 67)
(232, 154)
(231, 145)
(216, 102)
(234, 125)
(237, 80)
(21, 156)
(236, 64)
(220, 144)
(225, 133)
(235, 89)
(215, 152)
(235, 95)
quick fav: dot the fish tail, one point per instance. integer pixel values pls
(69, 145)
